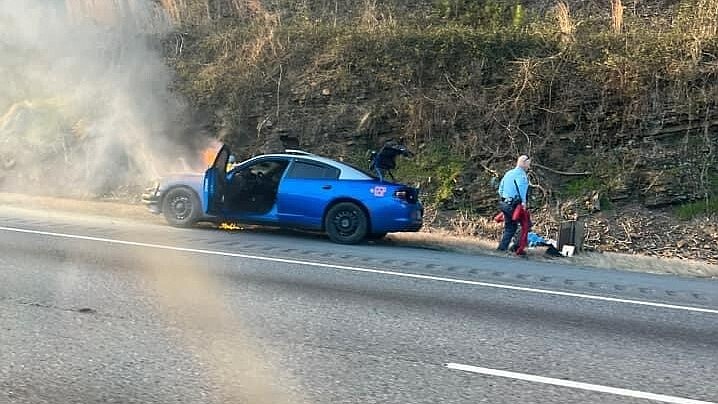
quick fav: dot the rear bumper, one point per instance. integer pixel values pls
(403, 225)
(406, 218)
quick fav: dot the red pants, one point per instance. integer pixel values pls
(523, 216)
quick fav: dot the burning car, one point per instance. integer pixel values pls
(294, 189)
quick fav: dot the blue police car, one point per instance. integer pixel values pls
(294, 189)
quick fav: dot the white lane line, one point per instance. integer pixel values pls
(575, 385)
(365, 270)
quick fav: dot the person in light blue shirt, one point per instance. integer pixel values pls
(513, 190)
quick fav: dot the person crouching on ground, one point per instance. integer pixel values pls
(513, 191)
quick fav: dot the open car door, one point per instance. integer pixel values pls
(215, 182)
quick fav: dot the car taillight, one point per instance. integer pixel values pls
(405, 195)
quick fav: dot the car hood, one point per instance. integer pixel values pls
(181, 176)
(187, 179)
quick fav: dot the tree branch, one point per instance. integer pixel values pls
(585, 173)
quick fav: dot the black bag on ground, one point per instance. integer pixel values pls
(552, 251)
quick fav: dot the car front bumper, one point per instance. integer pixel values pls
(151, 198)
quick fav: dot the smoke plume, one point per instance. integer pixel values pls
(85, 103)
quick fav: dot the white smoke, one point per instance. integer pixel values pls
(85, 104)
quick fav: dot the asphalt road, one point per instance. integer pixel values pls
(98, 310)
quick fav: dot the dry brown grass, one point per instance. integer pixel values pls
(265, 40)
(695, 27)
(199, 11)
(617, 16)
(372, 19)
(175, 9)
(700, 25)
(464, 225)
(705, 23)
(566, 26)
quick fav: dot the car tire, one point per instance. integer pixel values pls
(346, 223)
(181, 207)
(376, 236)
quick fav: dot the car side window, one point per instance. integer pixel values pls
(264, 167)
(313, 171)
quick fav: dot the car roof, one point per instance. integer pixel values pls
(347, 172)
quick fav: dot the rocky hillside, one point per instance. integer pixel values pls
(616, 103)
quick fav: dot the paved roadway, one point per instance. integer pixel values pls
(98, 310)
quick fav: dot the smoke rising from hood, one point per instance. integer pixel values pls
(86, 105)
